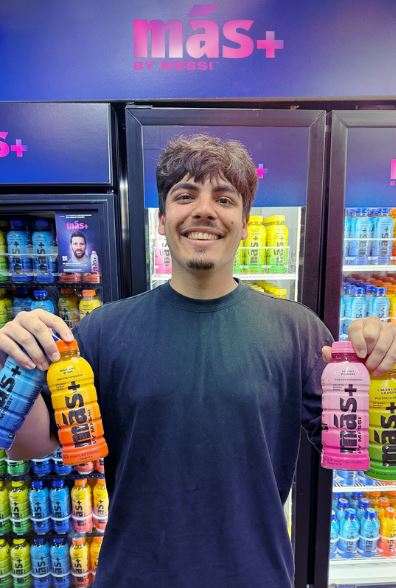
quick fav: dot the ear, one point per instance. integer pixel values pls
(161, 223)
(245, 228)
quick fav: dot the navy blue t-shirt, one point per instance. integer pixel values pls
(202, 403)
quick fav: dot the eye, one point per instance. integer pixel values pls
(184, 196)
(225, 200)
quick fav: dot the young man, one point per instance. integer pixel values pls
(203, 386)
(79, 258)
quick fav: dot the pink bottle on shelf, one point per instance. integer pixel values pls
(345, 404)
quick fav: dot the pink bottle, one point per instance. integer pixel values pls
(345, 404)
(163, 261)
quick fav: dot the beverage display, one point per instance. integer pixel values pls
(60, 563)
(277, 244)
(5, 565)
(19, 507)
(5, 515)
(369, 236)
(77, 413)
(68, 307)
(41, 563)
(42, 301)
(369, 533)
(94, 554)
(19, 388)
(19, 252)
(81, 498)
(334, 534)
(255, 243)
(387, 541)
(21, 565)
(3, 258)
(345, 402)
(100, 505)
(382, 394)
(60, 507)
(40, 508)
(349, 534)
(88, 303)
(79, 555)
(44, 252)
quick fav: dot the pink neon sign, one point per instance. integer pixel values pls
(18, 148)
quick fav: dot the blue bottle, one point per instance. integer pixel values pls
(369, 533)
(347, 233)
(42, 301)
(60, 561)
(334, 500)
(41, 563)
(19, 389)
(349, 534)
(360, 238)
(346, 477)
(44, 255)
(343, 504)
(383, 235)
(60, 507)
(43, 466)
(334, 532)
(358, 305)
(19, 254)
(379, 304)
(342, 316)
(40, 508)
(354, 500)
(60, 469)
(21, 301)
(349, 293)
(364, 504)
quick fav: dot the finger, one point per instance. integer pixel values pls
(326, 353)
(383, 357)
(39, 324)
(50, 320)
(10, 348)
(363, 334)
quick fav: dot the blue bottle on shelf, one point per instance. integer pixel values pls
(19, 254)
(60, 561)
(44, 256)
(364, 504)
(41, 563)
(334, 533)
(349, 534)
(369, 533)
(60, 469)
(19, 388)
(40, 508)
(42, 467)
(383, 237)
(42, 301)
(21, 301)
(60, 507)
(343, 504)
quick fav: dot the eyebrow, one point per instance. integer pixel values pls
(195, 187)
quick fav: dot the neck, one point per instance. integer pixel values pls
(203, 284)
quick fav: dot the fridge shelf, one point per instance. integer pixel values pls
(81, 285)
(368, 268)
(361, 570)
(375, 487)
(257, 277)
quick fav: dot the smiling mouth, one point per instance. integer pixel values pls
(201, 236)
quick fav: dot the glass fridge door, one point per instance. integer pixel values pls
(280, 257)
(362, 159)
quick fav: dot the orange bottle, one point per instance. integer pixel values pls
(74, 400)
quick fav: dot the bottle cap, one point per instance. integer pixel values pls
(16, 224)
(350, 513)
(58, 541)
(19, 541)
(41, 223)
(65, 346)
(342, 347)
(257, 219)
(390, 512)
(17, 483)
(78, 540)
(370, 513)
(40, 294)
(58, 483)
(37, 484)
(80, 482)
(89, 292)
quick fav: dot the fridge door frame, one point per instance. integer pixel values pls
(103, 203)
(341, 122)
(137, 117)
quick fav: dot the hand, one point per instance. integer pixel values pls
(31, 331)
(374, 340)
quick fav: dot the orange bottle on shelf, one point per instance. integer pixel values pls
(74, 400)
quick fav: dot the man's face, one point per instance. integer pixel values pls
(78, 247)
(203, 223)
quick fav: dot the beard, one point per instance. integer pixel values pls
(200, 264)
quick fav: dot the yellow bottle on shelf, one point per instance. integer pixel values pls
(255, 245)
(89, 302)
(277, 244)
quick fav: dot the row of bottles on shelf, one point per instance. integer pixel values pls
(267, 288)
(363, 524)
(47, 466)
(40, 509)
(369, 235)
(55, 563)
(28, 255)
(266, 248)
(71, 305)
(365, 296)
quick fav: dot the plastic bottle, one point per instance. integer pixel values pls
(255, 243)
(94, 553)
(99, 465)
(355, 499)
(100, 505)
(345, 382)
(5, 520)
(3, 313)
(379, 304)
(349, 292)
(21, 566)
(68, 307)
(60, 469)
(17, 467)
(277, 244)
(81, 497)
(42, 466)
(374, 498)
(387, 541)
(364, 504)
(382, 447)
(6, 297)
(42, 301)
(44, 252)
(346, 477)
(60, 561)
(84, 468)
(79, 555)
(94, 259)
(88, 303)
(347, 233)
(383, 234)
(41, 563)
(19, 254)
(5, 565)
(60, 507)
(342, 506)
(22, 301)
(40, 508)
(360, 244)
(3, 258)
(358, 306)
(19, 388)
(369, 533)
(334, 533)
(74, 399)
(19, 507)
(3, 462)
(349, 534)
(391, 495)
(239, 261)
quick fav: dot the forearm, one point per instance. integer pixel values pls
(34, 438)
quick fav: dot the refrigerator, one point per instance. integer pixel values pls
(360, 265)
(59, 250)
(287, 148)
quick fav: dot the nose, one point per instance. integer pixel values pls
(204, 207)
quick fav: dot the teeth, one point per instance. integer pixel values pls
(202, 236)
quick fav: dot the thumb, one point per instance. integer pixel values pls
(326, 353)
